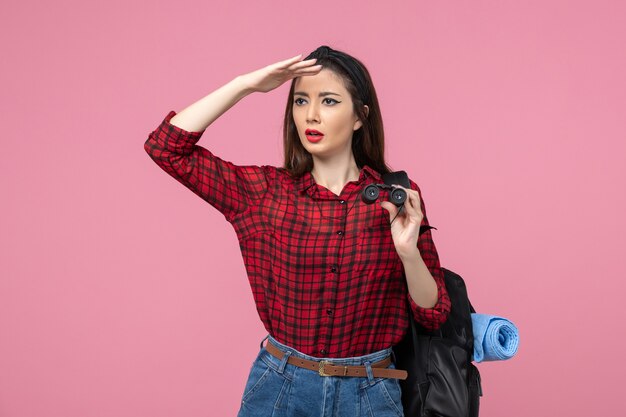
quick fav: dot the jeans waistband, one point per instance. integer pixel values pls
(355, 360)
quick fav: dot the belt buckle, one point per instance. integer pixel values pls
(321, 368)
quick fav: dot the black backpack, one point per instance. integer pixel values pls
(442, 380)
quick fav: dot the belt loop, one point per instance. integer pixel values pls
(262, 340)
(368, 371)
(393, 356)
(283, 361)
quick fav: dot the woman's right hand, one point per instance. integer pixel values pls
(274, 75)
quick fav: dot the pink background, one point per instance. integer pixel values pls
(123, 294)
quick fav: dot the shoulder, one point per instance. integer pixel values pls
(414, 186)
(285, 176)
(279, 175)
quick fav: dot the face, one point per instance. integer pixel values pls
(322, 103)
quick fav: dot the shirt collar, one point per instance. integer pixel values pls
(306, 181)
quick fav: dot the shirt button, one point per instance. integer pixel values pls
(323, 351)
(340, 232)
(342, 201)
(329, 311)
(333, 269)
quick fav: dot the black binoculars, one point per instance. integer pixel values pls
(396, 195)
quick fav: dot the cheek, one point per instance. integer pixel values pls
(299, 122)
(296, 116)
(345, 121)
(344, 128)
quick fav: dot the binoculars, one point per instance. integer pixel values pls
(371, 193)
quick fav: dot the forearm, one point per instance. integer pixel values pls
(421, 284)
(199, 115)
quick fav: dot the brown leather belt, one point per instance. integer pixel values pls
(326, 368)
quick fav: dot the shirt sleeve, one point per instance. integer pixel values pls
(230, 188)
(430, 318)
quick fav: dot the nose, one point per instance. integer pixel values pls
(312, 113)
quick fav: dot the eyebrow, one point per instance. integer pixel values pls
(322, 94)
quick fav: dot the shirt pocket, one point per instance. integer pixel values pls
(375, 251)
(294, 248)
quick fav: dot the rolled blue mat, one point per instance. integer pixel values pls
(495, 338)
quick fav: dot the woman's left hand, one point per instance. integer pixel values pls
(405, 228)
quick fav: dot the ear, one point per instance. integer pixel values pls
(359, 123)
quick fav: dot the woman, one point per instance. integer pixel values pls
(333, 278)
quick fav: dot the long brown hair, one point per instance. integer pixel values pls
(368, 142)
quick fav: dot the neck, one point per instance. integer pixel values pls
(333, 174)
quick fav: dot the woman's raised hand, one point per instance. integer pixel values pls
(274, 75)
(405, 228)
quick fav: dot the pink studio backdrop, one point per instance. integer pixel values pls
(123, 294)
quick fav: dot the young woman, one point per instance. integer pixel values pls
(333, 278)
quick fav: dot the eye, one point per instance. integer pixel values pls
(332, 101)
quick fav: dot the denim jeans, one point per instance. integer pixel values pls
(277, 388)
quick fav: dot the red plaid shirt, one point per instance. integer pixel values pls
(324, 272)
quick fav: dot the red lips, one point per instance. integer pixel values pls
(313, 135)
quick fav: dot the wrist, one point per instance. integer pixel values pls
(242, 84)
(410, 256)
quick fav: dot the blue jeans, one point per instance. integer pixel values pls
(277, 388)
